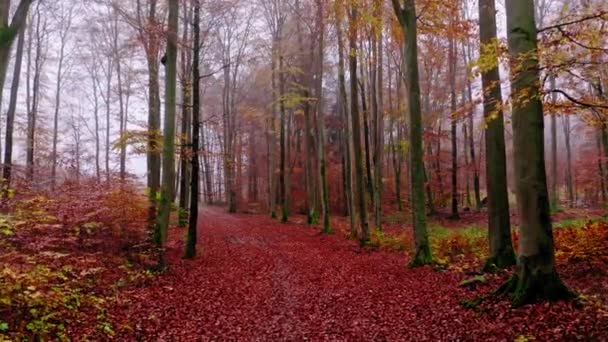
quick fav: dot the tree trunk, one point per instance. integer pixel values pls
(569, 185)
(349, 190)
(153, 155)
(535, 277)
(33, 113)
(10, 116)
(168, 129)
(554, 193)
(379, 119)
(453, 124)
(499, 226)
(471, 138)
(407, 19)
(282, 138)
(354, 111)
(194, 182)
(8, 32)
(320, 117)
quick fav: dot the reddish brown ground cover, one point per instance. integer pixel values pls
(258, 279)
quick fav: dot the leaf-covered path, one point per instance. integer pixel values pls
(258, 279)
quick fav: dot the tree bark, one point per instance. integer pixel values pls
(536, 276)
(407, 19)
(191, 239)
(453, 126)
(349, 190)
(354, 111)
(10, 116)
(499, 225)
(168, 130)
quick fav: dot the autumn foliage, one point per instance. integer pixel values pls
(64, 256)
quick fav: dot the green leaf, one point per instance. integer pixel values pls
(3, 326)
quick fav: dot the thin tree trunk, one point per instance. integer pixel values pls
(10, 116)
(453, 124)
(354, 110)
(499, 226)
(554, 193)
(349, 190)
(407, 19)
(569, 186)
(191, 239)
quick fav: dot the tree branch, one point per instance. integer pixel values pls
(577, 21)
(578, 102)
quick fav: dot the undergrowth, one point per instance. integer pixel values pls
(65, 255)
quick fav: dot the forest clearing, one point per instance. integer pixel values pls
(304, 170)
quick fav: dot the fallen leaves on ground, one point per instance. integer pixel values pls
(258, 279)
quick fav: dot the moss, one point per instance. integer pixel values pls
(312, 217)
(327, 230)
(7, 35)
(499, 262)
(422, 257)
(530, 285)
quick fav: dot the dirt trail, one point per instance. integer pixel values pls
(258, 279)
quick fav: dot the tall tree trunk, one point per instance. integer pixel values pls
(63, 32)
(194, 182)
(185, 141)
(96, 89)
(12, 106)
(453, 124)
(471, 129)
(407, 18)
(168, 129)
(320, 116)
(354, 111)
(569, 185)
(349, 189)
(554, 193)
(379, 117)
(110, 72)
(535, 277)
(153, 155)
(282, 138)
(33, 113)
(499, 226)
(600, 168)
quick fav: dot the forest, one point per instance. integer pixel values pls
(291, 170)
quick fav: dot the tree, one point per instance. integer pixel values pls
(354, 111)
(38, 33)
(196, 105)
(343, 99)
(168, 183)
(407, 19)
(499, 226)
(536, 276)
(320, 117)
(12, 107)
(65, 24)
(8, 32)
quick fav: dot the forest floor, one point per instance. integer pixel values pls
(258, 279)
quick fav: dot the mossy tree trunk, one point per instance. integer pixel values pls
(499, 225)
(536, 277)
(407, 19)
(168, 164)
